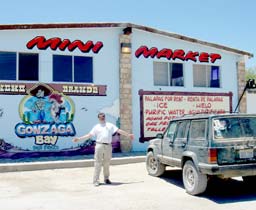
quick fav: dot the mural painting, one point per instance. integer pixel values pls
(46, 121)
(45, 115)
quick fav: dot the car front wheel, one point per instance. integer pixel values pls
(194, 182)
(154, 166)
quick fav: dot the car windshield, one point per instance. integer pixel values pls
(234, 127)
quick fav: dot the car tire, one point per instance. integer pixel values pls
(154, 166)
(249, 179)
(194, 182)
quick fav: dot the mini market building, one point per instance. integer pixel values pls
(56, 78)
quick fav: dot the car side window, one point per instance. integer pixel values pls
(171, 130)
(198, 129)
(182, 129)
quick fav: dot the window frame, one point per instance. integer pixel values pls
(208, 71)
(169, 74)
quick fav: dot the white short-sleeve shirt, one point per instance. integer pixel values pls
(104, 132)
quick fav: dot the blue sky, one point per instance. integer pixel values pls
(226, 22)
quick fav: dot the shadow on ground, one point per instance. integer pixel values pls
(218, 190)
(120, 183)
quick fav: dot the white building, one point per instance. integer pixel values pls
(55, 78)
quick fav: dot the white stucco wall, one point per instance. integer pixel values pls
(143, 70)
(105, 72)
(251, 102)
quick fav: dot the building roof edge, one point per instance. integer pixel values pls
(122, 25)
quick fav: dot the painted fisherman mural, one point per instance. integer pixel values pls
(45, 113)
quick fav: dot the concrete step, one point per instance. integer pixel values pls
(44, 165)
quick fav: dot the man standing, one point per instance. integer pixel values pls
(103, 132)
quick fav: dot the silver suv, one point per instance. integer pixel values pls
(204, 146)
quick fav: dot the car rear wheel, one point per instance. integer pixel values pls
(194, 181)
(154, 166)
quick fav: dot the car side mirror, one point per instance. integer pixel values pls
(159, 136)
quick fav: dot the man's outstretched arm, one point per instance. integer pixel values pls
(85, 137)
(124, 133)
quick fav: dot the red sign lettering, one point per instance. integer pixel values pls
(56, 42)
(146, 52)
(166, 53)
(179, 54)
(176, 54)
(204, 57)
(191, 56)
(214, 57)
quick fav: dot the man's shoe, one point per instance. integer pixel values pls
(107, 181)
(96, 184)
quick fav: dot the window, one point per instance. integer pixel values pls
(21, 66)
(7, 66)
(62, 68)
(234, 127)
(72, 69)
(206, 76)
(28, 66)
(168, 74)
(198, 129)
(171, 130)
(182, 130)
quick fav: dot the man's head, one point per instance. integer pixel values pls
(101, 117)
